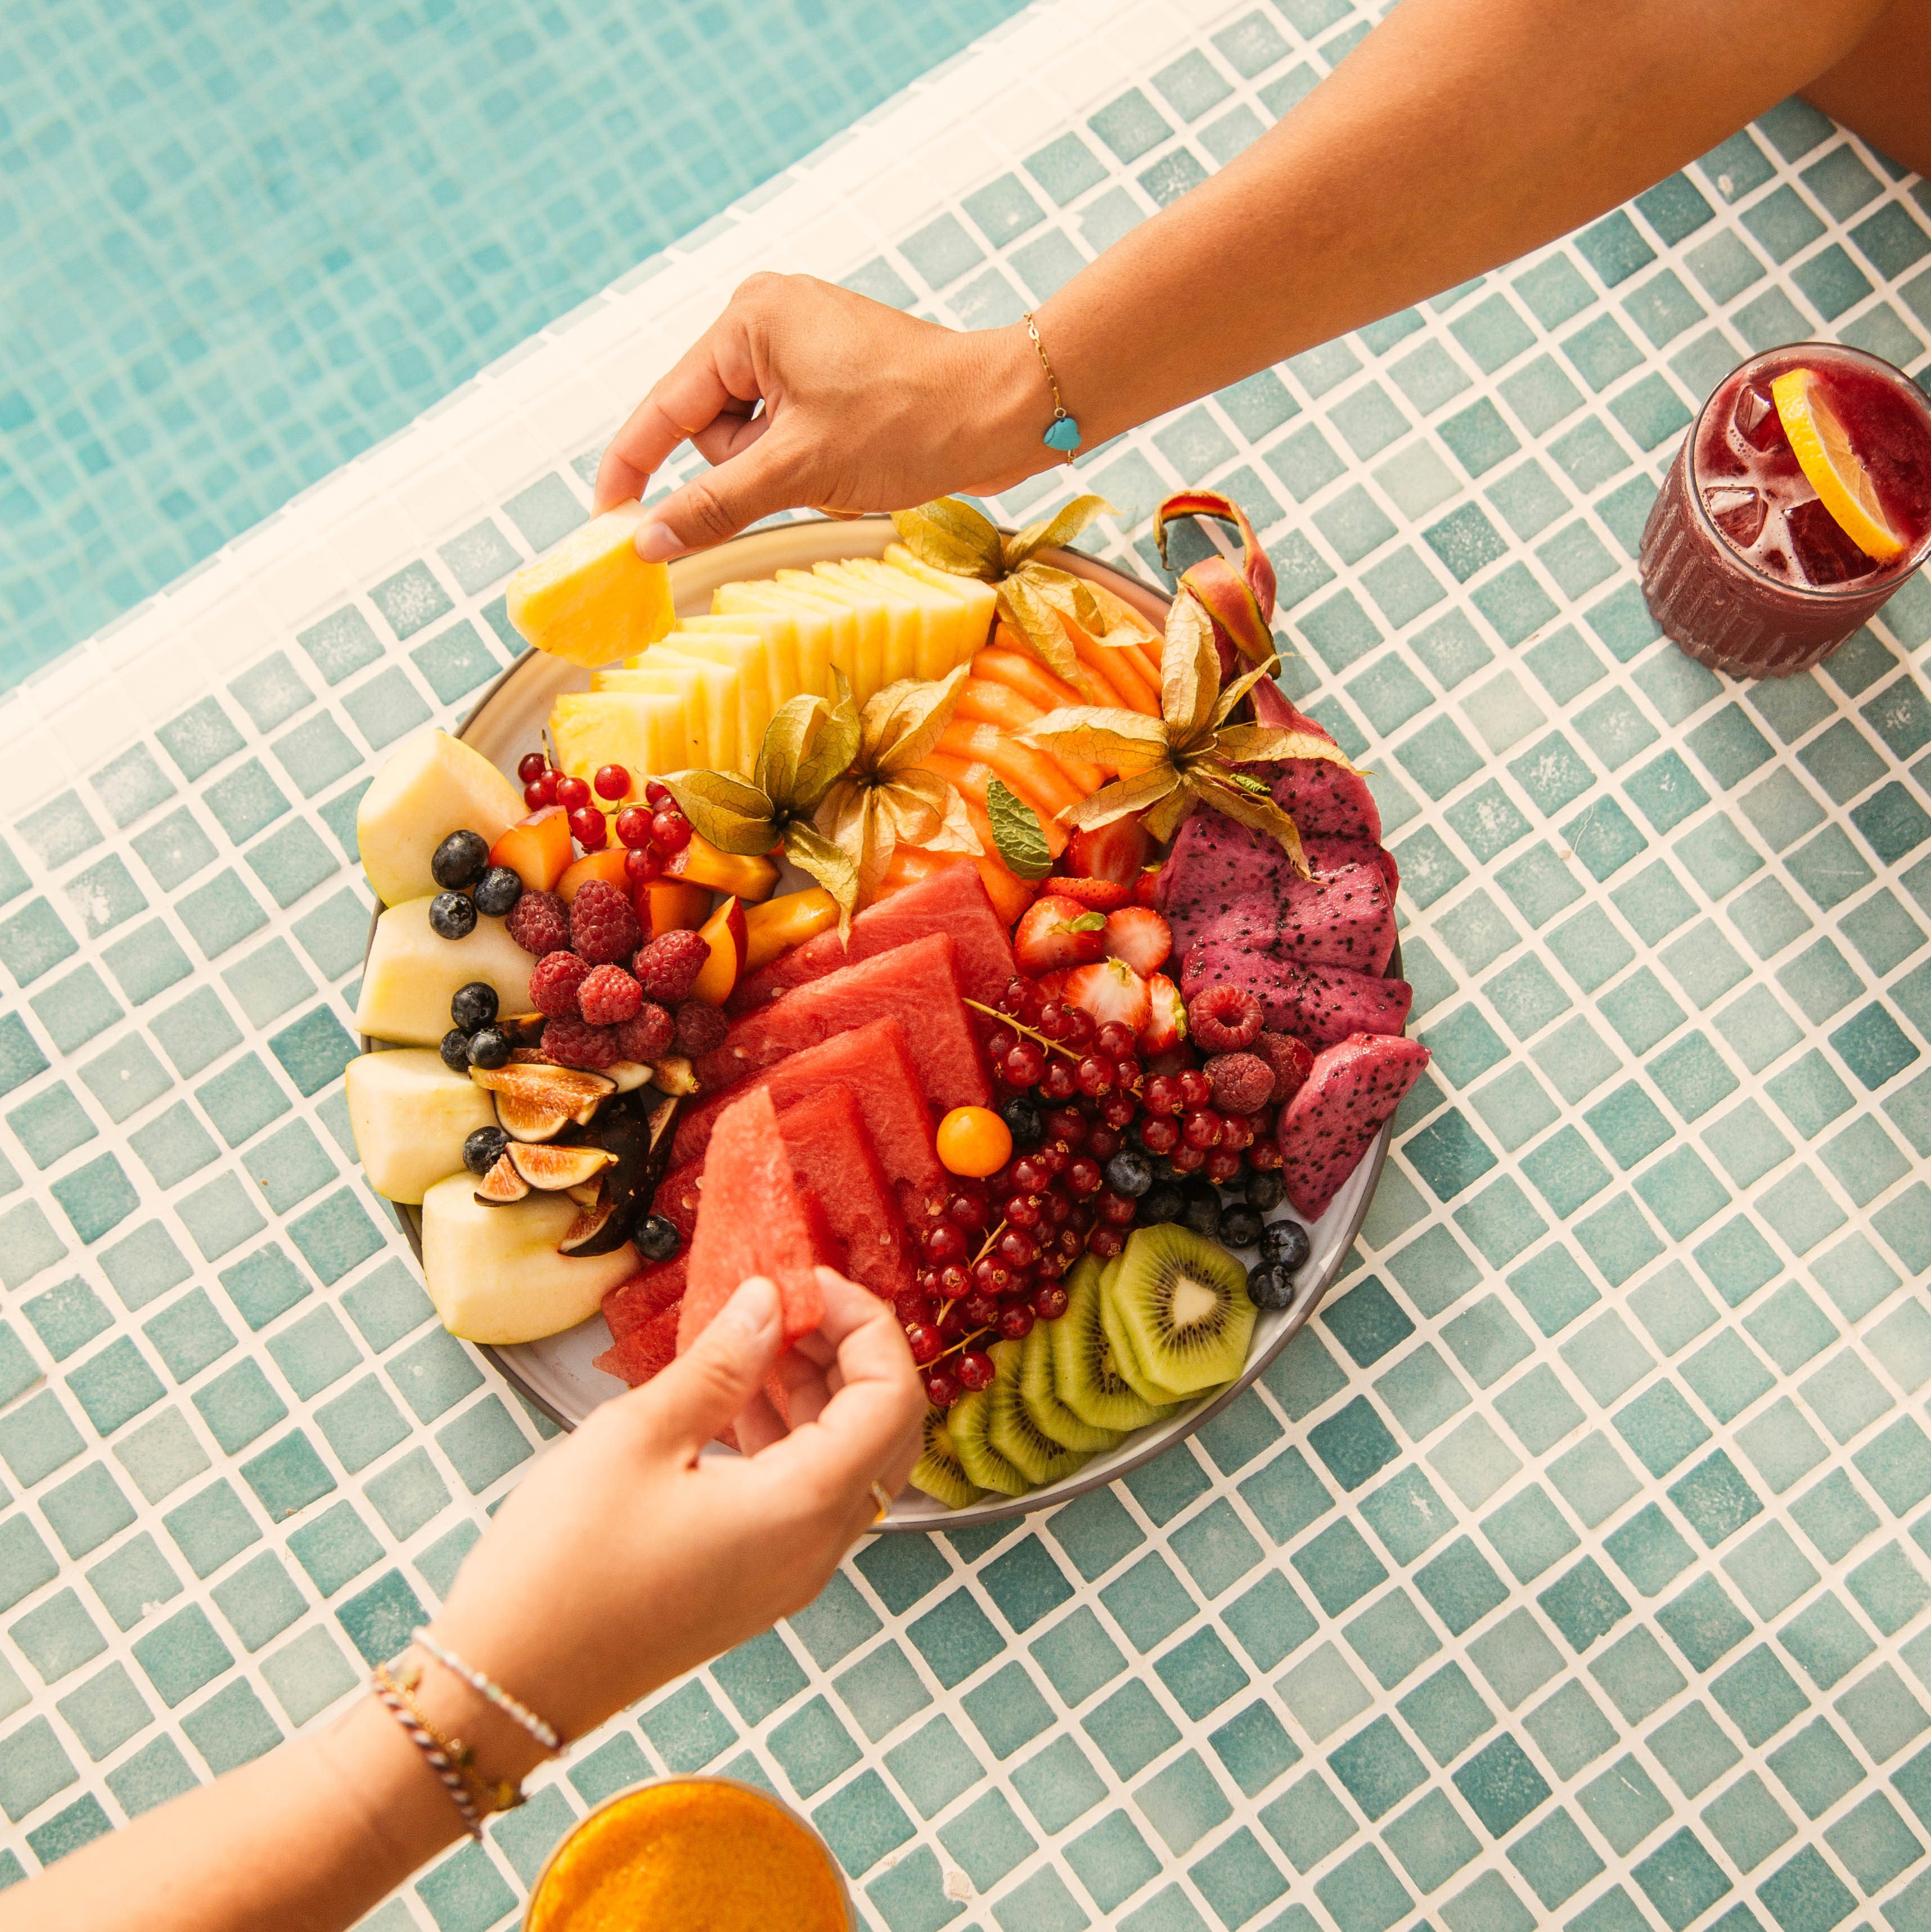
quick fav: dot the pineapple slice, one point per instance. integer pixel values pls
(762, 595)
(719, 686)
(678, 681)
(643, 731)
(875, 645)
(591, 599)
(800, 642)
(748, 656)
(976, 599)
(937, 631)
(904, 626)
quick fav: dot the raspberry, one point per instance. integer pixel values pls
(667, 968)
(571, 1043)
(1292, 1061)
(700, 1027)
(602, 924)
(609, 997)
(1243, 1083)
(539, 922)
(1223, 1019)
(555, 981)
(646, 1036)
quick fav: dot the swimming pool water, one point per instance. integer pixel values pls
(242, 240)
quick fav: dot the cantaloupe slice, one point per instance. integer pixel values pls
(643, 731)
(904, 621)
(431, 785)
(410, 1116)
(800, 643)
(760, 594)
(591, 599)
(743, 654)
(413, 973)
(977, 601)
(1031, 774)
(682, 682)
(716, 685)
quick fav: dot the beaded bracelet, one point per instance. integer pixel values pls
(402, 1708)
(486, 1688)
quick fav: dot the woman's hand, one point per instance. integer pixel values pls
(806, 396)
(623, 1560)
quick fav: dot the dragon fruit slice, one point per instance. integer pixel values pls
(1341, 919)
(1355, 1086)
(1217, 867)
(1330, 855)
(1325, 801)
(1320, 1004)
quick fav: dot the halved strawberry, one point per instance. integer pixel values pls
(1115, 851)
(1110, 991)
(1141, 937)
(1102, 895)
(1147, 887)
(1056, 932)
(1167, 1022)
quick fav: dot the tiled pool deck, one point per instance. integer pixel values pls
(1573, 1568)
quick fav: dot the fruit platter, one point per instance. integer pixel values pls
(909, 896)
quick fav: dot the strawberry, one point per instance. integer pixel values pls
(1166, 1025)
(1115, 851)
(1110, 991)
(1141, 937)
(1146, 888)
(1102, 895)
(1056, 931)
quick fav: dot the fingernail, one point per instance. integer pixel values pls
(656, 543)
(754, 1308)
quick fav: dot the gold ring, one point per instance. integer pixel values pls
(882, 1497)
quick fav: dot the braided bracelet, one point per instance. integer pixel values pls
(486, 1688)
(403, 1709)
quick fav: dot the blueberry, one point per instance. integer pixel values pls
(1201, 1212)
(460, 860)
(497, 892)
(1022, 1116)
(1264, 1190)
(1285, 1243)
(455, 1050)
(489, 1047)
(474, 1005)
(452, 915)
(658, 1240)
(1130, 1172)
(484, 1149)
(1268, 1285)
(1162, 1201)
(1241, 1228)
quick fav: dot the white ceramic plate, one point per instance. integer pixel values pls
(556, 1373)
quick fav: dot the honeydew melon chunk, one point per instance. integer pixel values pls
(738, 651)
(936, 625)
(874, 628)
(644, 731)
(902, 620)
(494, 1273)
(410, 1116)
(670, 680)
(413, 973)
(715, 698)
(433, 784)
(591, 599)
(977, 599)
(800, 641)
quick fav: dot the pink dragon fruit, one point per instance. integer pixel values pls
(1330, 855)
(1326, 801)
(1355, 1087)
(1320, 1004)
(1340, 918)
(1217, 867)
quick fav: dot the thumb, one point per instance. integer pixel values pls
(706, 1387)
(757, 482)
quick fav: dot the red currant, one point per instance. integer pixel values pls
(1119, 1209)
(1067, 1124)
(1052, 1021)
(1116, 1041)
(572, 792)
(1049, 1303)
(1265, 1156)
(1083, 1177)
(589, 828)
(1237, 1132)
(975, 1370)
(1095, 1076)
(541, 792)
(1118, 1111)
(999, 1042)
(531, 766)
(641, 867)
(1018, 1248)
(953, 1281)
(923, 1343)
(1126, 1072)
(1058, 1082)
(1080, 1030)
(1023, 1066)
(941, 1388)
(1222, 1164)
(1021, 1211)
(1052, 1156)
(611, 781)
(1196, 1089)
(978, 1308)
(1031, 1173)
(669, 831)
(1052, 1265)
(1015, 1323)
(1105, 1242)
(1201, 1128)
(966, 1210)
(944, 1243)
(1070, 1240)
(1160, 1136)
(1187, 1159)
(952, 1323)
(1162, 1095)
(656, 794)
(992, 1276)
(634, 829)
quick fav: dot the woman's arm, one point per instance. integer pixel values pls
(1459, 134)
(620, 1562)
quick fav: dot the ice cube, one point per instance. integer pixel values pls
(1739, 514)
(1757, 419)
(1824, 554)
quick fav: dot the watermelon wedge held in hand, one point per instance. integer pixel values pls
(754, 1220)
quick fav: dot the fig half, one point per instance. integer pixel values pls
(502, 1184)
(537, 1102)
(554, 1168)
(638, 1138)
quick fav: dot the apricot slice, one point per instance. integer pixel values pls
(536, 849)
(786, 921)
(608, 865)
(700, 863)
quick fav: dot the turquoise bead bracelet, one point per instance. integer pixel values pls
(1062, 432)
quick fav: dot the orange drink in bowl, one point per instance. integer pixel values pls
(691, 1855)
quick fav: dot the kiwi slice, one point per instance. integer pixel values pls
(938, 1471)
(1050, 1415)
(1177, 1313)
(966, 1420)
(1013, 1433)
(1086, 1378)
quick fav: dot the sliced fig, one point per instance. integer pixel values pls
(502, 1184)
(674, 1074)
(523, 1029)
(629, 1075)
(553, 1168)
(586, 1192)
(592, 1232)
(639, 1135)
(536, 1101)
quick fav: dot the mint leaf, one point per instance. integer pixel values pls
(1015, 831)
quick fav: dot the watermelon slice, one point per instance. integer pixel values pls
(755, 1220)
(951, 900)
(645, 1295)
(643, 1352)
(876, 1063)
(833, 1158)
(917, 984)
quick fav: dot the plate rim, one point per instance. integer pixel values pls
(992, 1508)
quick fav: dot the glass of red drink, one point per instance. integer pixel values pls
(1743, 564)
